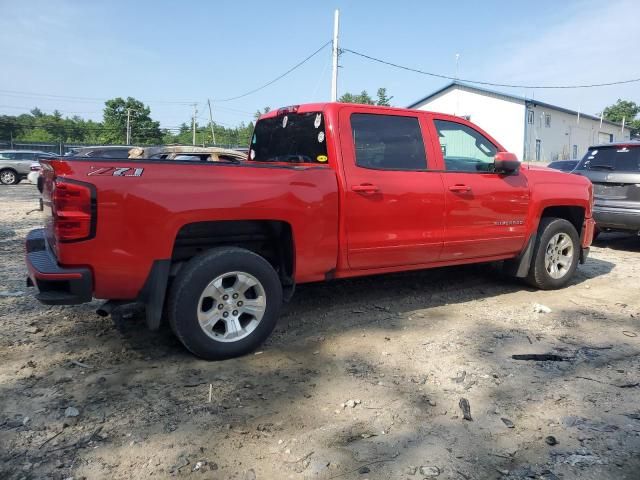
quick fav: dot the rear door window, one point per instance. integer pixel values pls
(388, 142)
(291, 138)
(615, 159)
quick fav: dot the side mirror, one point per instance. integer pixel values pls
(506, 162)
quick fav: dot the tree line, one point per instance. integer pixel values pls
(37, 126)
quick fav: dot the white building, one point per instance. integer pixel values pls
(531, 129)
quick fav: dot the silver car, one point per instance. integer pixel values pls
(15, 165)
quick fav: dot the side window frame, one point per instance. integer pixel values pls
(424, 134)
(436, 135)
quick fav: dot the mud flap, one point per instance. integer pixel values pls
(154, 291)
(519, 266)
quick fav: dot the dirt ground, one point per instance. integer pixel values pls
(362, 379)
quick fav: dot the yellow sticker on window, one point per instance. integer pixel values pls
(322, 158)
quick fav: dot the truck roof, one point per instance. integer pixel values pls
(324, 106)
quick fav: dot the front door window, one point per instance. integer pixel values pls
(464, 149)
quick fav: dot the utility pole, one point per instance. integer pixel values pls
(457, 86)
(195, 113)
(334, 73)
(213, 135)
(128, 126)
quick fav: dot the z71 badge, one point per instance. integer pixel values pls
(117, 171)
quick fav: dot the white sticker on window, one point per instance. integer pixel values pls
(623, 150)
(284, 121)
(320, 137)
(594, 152)
(317, 121)
(252, 154)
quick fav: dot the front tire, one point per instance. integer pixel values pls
(556, 254)
(8, 177)
(224, 303)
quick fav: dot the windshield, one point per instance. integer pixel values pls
(617, 158)
(293, 138)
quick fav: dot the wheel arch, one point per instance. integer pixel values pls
(271, 239)
(574, 214)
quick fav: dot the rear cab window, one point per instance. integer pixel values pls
(290, 137)
(615, 158)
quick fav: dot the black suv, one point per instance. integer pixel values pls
(614, 170)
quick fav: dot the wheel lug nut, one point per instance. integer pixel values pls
(240, 303)
(225, 297)
(235, 295)
(235, 313)
(225, 314)
(220, 307)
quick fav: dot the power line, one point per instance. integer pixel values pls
(493, 84)
(299, 64)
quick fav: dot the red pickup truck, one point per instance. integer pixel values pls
(329, 191)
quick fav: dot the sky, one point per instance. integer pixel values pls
(71, 55)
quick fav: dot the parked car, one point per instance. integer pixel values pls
(614, 170)
(101, 151)
(330, 191)
(188, 153)
(564, 165)
(15, 165)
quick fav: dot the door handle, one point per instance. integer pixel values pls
(365, 188)
(460, 188)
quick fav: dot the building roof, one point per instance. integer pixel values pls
(527, 101)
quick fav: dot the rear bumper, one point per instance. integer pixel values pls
(56, 285)
(617, 218)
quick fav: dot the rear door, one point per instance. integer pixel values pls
(393, 204)
(485, 211)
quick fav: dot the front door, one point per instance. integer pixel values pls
(485, 211)
(393, 205)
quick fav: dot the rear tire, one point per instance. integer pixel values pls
(9, 177)
(555, 255)
(224, 303)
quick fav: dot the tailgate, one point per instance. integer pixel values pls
(616, 189)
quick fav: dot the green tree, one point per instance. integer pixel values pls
(383, 99)
(144, 130)
(627, 110)
(259, 113)
(362, 98)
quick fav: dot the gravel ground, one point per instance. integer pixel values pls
(361, 379)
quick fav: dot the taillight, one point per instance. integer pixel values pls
(73, 208)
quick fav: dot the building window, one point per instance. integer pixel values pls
(547, 121)
(530, 117)
(538, 149)
(575, 152)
